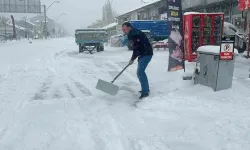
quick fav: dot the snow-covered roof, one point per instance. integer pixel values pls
(146, 20)
(38, 21)
(190, 13)
(140, 20)
(137, 8)
(212, 49)
(30, 23)
(19, 27)
(91, 32)
(110, 25)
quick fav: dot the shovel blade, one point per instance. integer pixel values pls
(107, 87)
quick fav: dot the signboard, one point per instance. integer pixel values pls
(227, 47)
(20, 6)
(175, 32)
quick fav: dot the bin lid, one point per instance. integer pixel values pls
(212, 49)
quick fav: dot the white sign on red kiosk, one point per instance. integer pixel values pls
(227, 48)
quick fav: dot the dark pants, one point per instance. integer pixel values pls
(142, 65)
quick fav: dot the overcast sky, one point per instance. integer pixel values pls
(81, 13)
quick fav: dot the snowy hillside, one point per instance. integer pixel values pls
(48, 101)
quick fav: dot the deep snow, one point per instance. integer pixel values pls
(48, 101)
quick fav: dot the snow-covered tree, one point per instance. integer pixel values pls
(108, 15)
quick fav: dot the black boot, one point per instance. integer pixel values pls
(144, 96)
(141, 91)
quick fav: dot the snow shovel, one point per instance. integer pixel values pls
(109, 87)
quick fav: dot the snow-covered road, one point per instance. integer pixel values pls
(48, 101)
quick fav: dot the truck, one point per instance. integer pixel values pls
(126, 42)
(241, 38)
(155, 30)
(158, 28)
(91, 39)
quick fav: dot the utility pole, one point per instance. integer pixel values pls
(45, 17)
(45, 22)
(248, 27)
(25, 26)
(231, 11)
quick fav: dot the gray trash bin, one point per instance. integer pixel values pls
(211, 71)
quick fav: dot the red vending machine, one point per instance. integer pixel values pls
(201, 29)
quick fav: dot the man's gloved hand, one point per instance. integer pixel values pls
(131, 62)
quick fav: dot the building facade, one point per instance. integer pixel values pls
(228, 7)
(151, 11)
(154, 11)
(20, 6)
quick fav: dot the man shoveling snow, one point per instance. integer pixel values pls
(142, 49)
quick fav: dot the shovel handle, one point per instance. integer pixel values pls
(120, 73)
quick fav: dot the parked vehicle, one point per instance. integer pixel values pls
(161, 44)
(158, 28)
(241, 38)
(126, 42)
(91, 39)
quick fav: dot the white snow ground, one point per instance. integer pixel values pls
(48, 101)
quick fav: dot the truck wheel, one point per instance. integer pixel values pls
(98, 48)
(102, 48)
(242, 48)
(80, 49)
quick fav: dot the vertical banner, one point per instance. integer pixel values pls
(175, 32)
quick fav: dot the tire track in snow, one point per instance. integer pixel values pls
(59, 53)
(70, 91)
(19, 105)
(57, 95)
(3, 133)
(82, 88)
(42, 93)
(1, 110)
(106, 131)
(1, 79)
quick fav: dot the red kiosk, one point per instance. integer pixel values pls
(201, 29)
